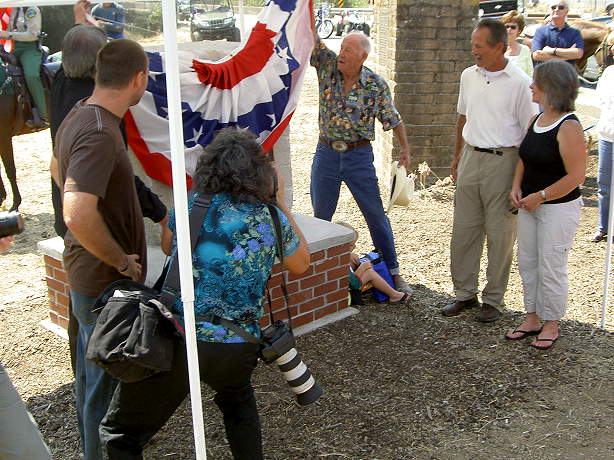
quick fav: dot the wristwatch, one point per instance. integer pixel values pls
(542, 193)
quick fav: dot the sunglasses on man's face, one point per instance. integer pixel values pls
(511, 26)
(558, 7)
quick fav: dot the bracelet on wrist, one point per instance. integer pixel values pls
(554, 52)
(542, 193)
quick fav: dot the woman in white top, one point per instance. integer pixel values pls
(518, 54)
(605, 129)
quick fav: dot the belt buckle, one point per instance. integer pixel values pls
(339, 146)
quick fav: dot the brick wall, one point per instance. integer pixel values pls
(57, 291)
(422, 46)
(321, 291)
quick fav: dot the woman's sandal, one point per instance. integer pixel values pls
(599, 237)
(523, 334)
(541, 347)
(402, 300)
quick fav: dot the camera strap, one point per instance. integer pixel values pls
(280, 255)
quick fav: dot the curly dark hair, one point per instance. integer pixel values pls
(234, 163)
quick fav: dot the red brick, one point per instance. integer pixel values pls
(325, 288)
(344, 283)
(317, 256)
(294, 277)
(300, 297)
(338, 250)
(264, 321)
(344, 259)
(329, 309)
(342, 304)
(277, 304)
(60, 310)
(312, 281)
(276, 269)
(62, 322)
(311, 305)
(276, 293)
(337, 273)
(302, 320)
(53, 262)
(62, 299)
(340, 294)
(49, 270)
(327, 264)
(60, 275)
(275, 280)
(55, 285)
(51, 295)
(283, 315)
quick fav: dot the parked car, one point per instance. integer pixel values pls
(213, 20)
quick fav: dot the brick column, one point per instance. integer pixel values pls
(422, 47)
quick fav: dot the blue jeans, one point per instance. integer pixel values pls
(94, 388)
(355, 168)
(604, 179)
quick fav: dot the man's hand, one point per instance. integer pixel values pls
(515, 197)
(82, 10)
(133, 268)
(405, 158)
(454, 168)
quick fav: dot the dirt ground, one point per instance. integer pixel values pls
(400, 382)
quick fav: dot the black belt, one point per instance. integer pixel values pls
(493, 151)
(342, 146)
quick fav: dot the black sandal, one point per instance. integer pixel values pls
(524, 334)
(541, 347)
(599, 237)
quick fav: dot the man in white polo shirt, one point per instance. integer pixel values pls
(495, 108)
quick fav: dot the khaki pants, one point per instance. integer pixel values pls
(482, 212)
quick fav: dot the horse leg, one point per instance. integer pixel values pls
(7, 119)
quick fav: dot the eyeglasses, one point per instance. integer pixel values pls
(511, 26)
(558, 7)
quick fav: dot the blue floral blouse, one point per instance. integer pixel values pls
(351, 118)
(232, 263)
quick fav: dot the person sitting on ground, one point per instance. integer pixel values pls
(363, 276)
(516, 53)
(232, 263)
(546, 191)
(25, 29)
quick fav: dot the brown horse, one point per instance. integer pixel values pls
(594, 35)
(15, 118)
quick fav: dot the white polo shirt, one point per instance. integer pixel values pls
(497, 105)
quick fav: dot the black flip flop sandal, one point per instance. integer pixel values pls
(524, 334)
(540, 347)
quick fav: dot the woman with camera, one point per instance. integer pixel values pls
(232, 263)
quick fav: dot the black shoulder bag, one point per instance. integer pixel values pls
(135, 331)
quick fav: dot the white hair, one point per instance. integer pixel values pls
(365, 41)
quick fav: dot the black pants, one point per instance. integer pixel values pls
(138, 410)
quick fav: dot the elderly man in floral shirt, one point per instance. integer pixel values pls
(351, 98)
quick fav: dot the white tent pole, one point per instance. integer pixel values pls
(608, 254)
(182, 223)
(242, 19)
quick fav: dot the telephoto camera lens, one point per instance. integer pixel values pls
(280, 350)
(11, 223)
(298, 376)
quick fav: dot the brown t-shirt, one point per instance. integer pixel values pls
(92, 159)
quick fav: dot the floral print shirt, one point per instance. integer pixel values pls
(351, 118)
(232, 263)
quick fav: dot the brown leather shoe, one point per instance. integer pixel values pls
(488, 314)
(458, 306)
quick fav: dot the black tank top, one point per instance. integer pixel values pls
(543, 165)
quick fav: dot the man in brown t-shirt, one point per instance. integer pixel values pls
(106, 236)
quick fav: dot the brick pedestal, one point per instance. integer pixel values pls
(314, 295)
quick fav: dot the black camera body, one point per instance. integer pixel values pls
(11, 223)
(278, 340)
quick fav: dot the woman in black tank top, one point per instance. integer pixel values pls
(546, 191)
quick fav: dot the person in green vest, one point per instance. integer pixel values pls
(24, 29)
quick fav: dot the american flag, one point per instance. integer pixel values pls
(5, 14)
(256, 88)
